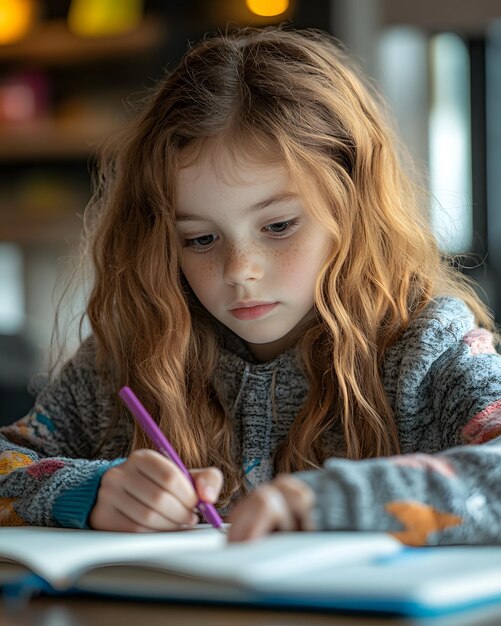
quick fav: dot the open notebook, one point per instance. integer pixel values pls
(365, 572)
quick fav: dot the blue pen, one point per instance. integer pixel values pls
(161, 443)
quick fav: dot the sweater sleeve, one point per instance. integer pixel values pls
(47, 477)
(452, 496)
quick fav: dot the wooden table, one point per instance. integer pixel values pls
(98, 612)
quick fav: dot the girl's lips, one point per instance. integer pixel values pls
(253, 312)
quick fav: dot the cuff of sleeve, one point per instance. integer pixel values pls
(331, 509)
(72, 508)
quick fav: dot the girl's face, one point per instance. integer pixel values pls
(251, 251)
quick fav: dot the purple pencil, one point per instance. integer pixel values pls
(159, 440)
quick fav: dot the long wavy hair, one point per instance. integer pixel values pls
(292, 97)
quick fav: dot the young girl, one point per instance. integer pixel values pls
(265, 283)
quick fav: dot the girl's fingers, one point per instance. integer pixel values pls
(137, 498)
(283, 504)
(163, 502)
(128, 515)
(300, 499)
(208, 483)
(165, 474)
(148, 492)
(262, 512)
(142, 516)
(117, 522)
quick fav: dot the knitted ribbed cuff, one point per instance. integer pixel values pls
(330, 511)
(72, 508)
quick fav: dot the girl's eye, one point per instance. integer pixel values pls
(280, 228)
(200, 242)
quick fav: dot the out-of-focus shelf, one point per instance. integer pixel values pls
(80, 124)
(27, 229)
(50, 139)
(51, 43)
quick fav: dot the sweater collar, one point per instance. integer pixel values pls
(234, 352)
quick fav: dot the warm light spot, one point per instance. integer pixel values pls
(268, 8)
(16, 17)
(98, 18)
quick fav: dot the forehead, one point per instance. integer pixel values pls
(228, 175)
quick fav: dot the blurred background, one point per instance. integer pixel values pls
(69, 70)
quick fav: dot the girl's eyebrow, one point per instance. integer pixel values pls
(281, 199)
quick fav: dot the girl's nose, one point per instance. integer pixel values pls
(242, 266)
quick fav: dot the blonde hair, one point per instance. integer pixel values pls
(297, 92)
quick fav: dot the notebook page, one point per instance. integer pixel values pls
(60, 555)
(280, 556)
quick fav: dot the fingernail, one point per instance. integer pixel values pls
(210, 492)
(193, 521)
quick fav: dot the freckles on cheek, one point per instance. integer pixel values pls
(300, 262)
(291, 261)
(199, 273)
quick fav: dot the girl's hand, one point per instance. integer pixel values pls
(149, 493)
(285, 503)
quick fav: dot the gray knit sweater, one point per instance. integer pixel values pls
(442, 379)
